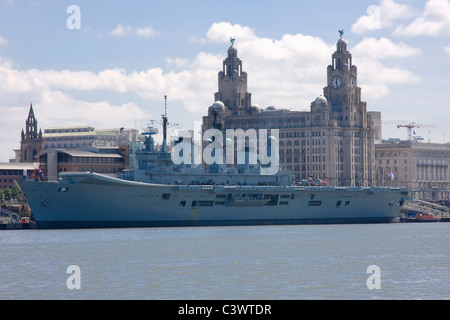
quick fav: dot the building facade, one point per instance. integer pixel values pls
(15, 171)
(107, 161)
(333, 141)
(72, 137)
(422, 167)
(73, 148)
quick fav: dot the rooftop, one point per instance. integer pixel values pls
(17, 165)
(81, 153)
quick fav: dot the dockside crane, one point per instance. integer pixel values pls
(410, 126)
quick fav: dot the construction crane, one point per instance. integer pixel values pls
(410, 126)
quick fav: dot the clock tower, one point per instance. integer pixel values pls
(342, 90)
(333, 141)
(233, 84)
(353, 128)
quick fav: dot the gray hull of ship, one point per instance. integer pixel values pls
(90, 200)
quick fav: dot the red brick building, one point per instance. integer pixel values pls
(14, 171)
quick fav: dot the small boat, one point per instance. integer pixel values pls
(421, 217)
(428, 217)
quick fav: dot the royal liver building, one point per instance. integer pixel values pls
(334, 141)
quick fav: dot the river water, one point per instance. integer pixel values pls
(358, 261)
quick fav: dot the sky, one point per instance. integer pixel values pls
(108, 64)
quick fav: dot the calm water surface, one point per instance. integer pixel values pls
(261, 262)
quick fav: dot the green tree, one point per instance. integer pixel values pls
(15, 191)
(7, 193)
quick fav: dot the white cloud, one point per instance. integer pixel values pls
(289, 72)
(434, 21)
(146, 32)
(447, 49)
(375, 78)
(53, 103)
(381, 16)
(392, 11)
(118, 80)
(3, 40)
(376, 73)
(371, 21)
(178, 62)
(121, 31)
(222, 31)
(383, 48)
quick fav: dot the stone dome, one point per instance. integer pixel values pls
(217, 105)
(320, 99)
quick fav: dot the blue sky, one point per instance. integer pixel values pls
(115, 69)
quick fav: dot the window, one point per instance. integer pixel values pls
(314, 203)
(165, 196)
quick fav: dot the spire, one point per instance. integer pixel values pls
(31, 139)
(31, 112)
(31, 119)
(31, 125)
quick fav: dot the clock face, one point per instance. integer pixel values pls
(352, 82)
(336, 83)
